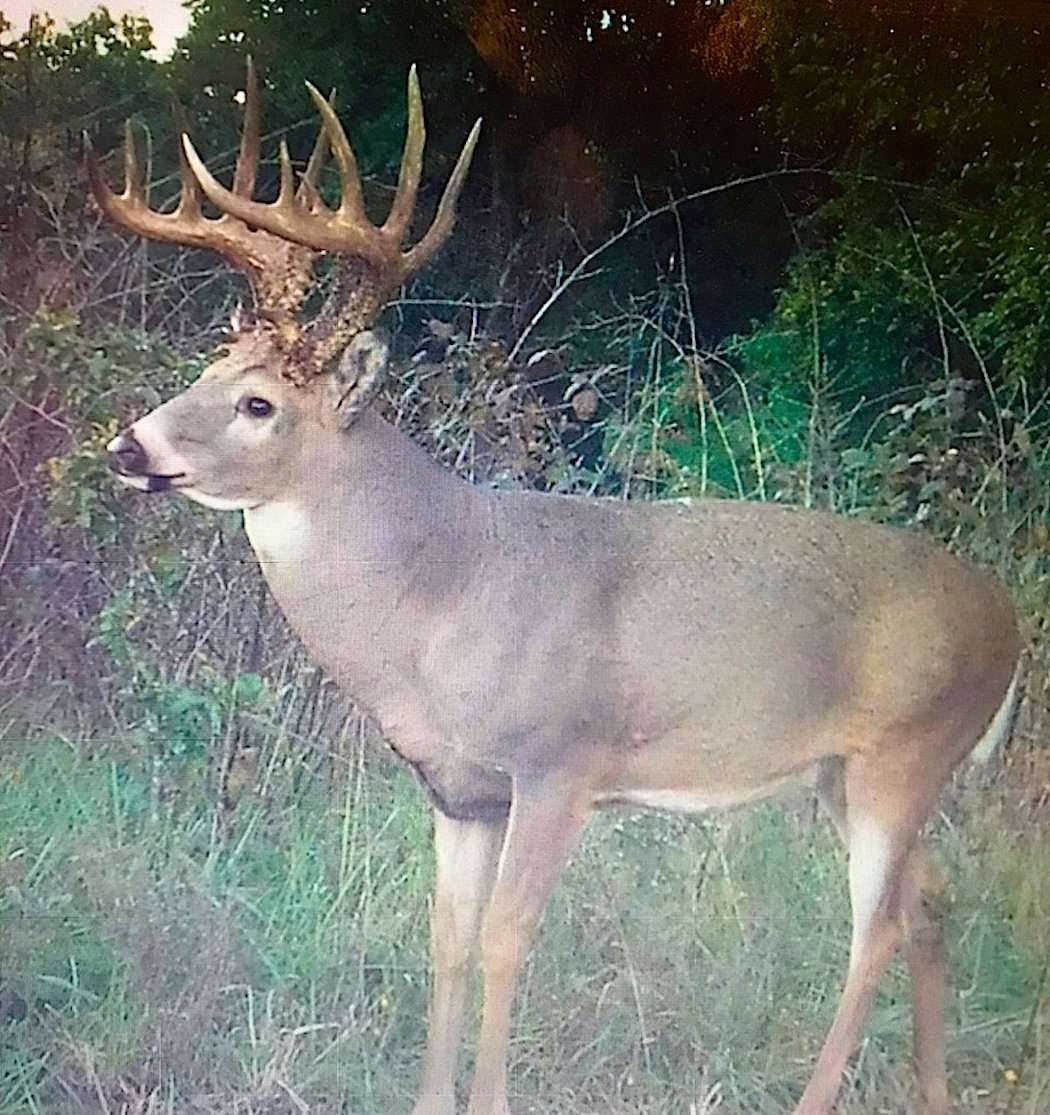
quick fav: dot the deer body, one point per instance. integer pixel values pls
(493, 632)
(534, 657)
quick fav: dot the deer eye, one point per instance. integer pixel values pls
(255, 406)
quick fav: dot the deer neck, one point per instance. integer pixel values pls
(371, 538)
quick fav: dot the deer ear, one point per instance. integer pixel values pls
(358, 375)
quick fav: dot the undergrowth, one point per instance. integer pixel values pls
(683, 962)
(213, 894)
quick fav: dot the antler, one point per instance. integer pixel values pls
(279, 271)
(301, 216)
(275, 244)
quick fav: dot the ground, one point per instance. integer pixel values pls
(171, 953)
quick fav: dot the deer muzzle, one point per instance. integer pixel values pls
(129, 460)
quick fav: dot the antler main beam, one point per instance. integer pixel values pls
(280, 271)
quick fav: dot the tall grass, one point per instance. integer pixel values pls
(684, 964)
(214, 896)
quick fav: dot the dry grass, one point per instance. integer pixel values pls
(685, 966)
(214, 905)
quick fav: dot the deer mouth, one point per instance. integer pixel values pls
(152, 481)
(163, 482)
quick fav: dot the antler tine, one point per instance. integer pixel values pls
(134, 175)
(445, 217)
(248, 156)
(130, 208)
(411, 163)
(308, 191)
(286, 194)
(189, 205)
(351, 204)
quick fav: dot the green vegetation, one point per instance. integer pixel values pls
(213, 883)
(164, 962)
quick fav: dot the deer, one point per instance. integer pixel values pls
(534, 657)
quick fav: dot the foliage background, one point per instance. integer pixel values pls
(761, 248)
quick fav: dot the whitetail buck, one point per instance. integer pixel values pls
(532, 656)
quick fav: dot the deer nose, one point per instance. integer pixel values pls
(126, 455)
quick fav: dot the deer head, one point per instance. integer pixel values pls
(232, 440)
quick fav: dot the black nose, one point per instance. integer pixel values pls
(126, 456)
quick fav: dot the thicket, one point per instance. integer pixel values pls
(807, 264)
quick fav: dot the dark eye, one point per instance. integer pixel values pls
(256, 407)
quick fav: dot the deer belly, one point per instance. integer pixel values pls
(699, 799)
(686, 800)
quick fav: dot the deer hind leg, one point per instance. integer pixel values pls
(879, 813)
(924, 944)
(466, 853)
(547, 818)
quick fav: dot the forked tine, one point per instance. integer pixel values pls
(309, 184)
(445, 216)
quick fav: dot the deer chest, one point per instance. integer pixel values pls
(460, 789)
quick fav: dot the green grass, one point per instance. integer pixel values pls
(156, 961)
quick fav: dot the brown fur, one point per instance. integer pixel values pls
(534, 657)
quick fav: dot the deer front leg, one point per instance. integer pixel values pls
(466, 854)
(547, 818)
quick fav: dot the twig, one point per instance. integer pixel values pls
(12, 530)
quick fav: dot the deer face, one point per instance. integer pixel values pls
(237, 438)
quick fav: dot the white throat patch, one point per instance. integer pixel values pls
(279, 531)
